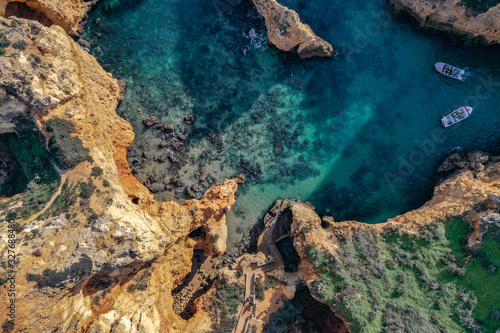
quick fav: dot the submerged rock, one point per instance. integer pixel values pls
(278, 148)
(288, 33)
(177, 145)
(189, 119)
(166, 128)
(173, 158)
(474, 161)
(150, 121)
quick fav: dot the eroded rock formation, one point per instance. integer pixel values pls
(68, 14)
(288, 33)
(104, 254)
(473, 191)
(454, 17)
(456, 195)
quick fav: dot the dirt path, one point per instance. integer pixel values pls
(81, 171)
(51, 201)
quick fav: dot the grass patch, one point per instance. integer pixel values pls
(36, 197)
(456, 232)
(66, 199)
(399, 282)
(479, 279)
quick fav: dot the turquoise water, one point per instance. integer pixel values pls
(358, 135)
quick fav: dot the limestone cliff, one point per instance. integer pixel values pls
(102, 255)
(453, 17)
(288, 33)
(68, 14)
(456, 195)
(356, 248)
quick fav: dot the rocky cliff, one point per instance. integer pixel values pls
(363, 270)
(102, 253)
(68, 14)
(466, 19)
(288, 33)
(469, 186)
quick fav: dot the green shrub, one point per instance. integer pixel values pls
(223, 306)
(11, 216)
(91, 219)
(96, 171)
(86, 189)
(4, 41)
(31, 162)
(2, 51)
(66, 199)
(279, 321)
(67, 150)
(19, 44)
(259, 289)
(404, 318)
(495, 314)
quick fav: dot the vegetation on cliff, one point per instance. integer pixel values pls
(66, 149)
(223, 306)
(397, 282)
(25, 151)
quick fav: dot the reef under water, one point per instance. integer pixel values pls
(358, 135)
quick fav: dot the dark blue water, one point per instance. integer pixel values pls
(358, 136)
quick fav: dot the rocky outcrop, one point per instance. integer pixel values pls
(473, 161)
(459, 193)
(102, 255)
(473, 192)
(454, 18)
(288, 33)
(68, 14)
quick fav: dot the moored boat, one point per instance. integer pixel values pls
(456, 116)
(450, 71)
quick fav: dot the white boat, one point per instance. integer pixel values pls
(450, 71)
(456, 116)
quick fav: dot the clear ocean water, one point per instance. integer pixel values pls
(358, 135)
